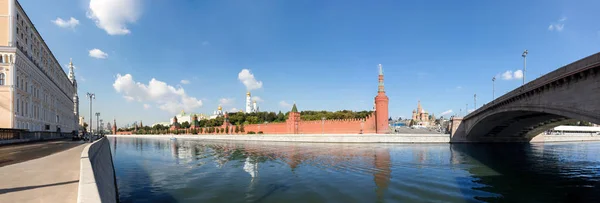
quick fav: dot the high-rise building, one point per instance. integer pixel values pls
(35, 93)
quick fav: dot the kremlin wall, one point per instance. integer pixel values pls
(377, 122)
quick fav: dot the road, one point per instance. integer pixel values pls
(12, 154)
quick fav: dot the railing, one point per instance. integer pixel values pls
(562, 72)
(17, 134)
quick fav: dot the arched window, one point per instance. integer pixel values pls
(1, 78)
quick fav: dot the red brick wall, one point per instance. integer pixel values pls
(346, 126)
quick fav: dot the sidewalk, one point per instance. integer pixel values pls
(54, 178)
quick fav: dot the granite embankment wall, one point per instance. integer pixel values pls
(97, 181)
(325, 138)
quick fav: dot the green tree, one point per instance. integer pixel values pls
(237, 129)
(185, 125)
(242, 129)
(227, 129)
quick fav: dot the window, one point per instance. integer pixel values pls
(1, 78)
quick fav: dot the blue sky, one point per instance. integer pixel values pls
(321, 54)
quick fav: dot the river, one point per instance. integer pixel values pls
(163, 170)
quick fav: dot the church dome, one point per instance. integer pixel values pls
(248, 94)
(220, 108)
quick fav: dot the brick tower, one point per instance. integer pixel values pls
(114, 127)
(381, 107)
(293, 119)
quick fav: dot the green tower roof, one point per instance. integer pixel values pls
(294, 109)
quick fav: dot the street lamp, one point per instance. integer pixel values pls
(475, 101)
(91, 96)
(524, 55)
(97, 121)
(493, 88)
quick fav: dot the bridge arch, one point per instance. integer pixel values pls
(523, 122)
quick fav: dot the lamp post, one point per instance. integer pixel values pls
(475, 101)
(97, 121)
(91, 96)
(323, 125)
(493, 88)
(524, 55)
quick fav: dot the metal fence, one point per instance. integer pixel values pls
(17, 134)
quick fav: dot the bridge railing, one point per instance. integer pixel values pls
(562, 72)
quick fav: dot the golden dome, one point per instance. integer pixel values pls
(255, 101)
(248, 94)
(220, 108)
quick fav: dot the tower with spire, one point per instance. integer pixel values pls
(114, 127)
(75, 96)
(248, 103)
(381, 106)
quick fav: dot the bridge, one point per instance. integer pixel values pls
(571, 92)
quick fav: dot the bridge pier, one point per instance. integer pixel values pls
(457, 130)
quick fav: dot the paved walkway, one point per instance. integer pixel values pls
(54, 178)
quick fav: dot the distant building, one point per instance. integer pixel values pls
(217, 113)
(421, 117)
(251, 106)
(81, 120)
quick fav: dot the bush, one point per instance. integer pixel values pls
(242, 129)
(251, 132)
(260, 132)
(237, 129)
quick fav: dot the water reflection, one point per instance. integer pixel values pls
(211, 171)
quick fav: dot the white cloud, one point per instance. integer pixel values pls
(146, 106)
(113, 15)
(285, 104)
(470, 110)
(166, 97)
(257, 99)
(249, 81)
(97, 53)
(234, 110)
(71, 23)
(446, 112)
(226, 101)
(185, 82)
(518, 74)
(510, 75)
(558, 26)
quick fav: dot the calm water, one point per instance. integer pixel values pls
(161, 170)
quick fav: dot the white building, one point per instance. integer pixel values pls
(251, 106)
(35, 93)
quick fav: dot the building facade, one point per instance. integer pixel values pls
(421, 117)
(35, 93)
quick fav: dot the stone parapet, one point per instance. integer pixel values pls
(97, 181)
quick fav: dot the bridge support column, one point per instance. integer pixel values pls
(457, 130)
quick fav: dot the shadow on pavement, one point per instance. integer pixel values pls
(9, 190)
